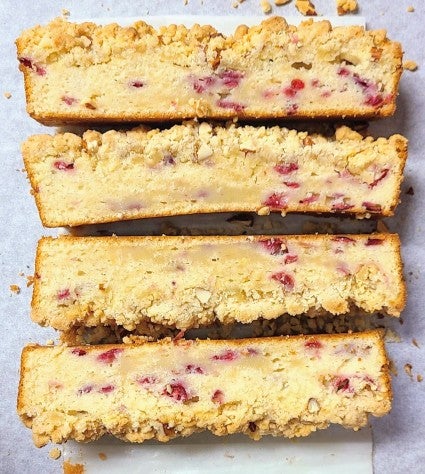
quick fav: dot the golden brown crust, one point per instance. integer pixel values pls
(61, 37)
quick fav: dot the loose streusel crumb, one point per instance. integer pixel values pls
(305, 7)
(410, 191)
(408, 369)
(346, 6)
(415, 343)
(15, 289)
(55, 453)
(69, 468)
(392, 368)
(65, 13)
(102, 456)
(7, 95)
(30, 280)
(278, 3)
(50, 342)
(410, 65)
(410, 9)
(419, 378)
(265, 6)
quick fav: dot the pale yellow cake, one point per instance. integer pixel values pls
(85, 72)
(280, 386)
(200, 168)
(187, 282)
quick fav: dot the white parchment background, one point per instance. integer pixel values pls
(399, 437)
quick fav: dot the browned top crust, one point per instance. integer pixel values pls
(201, 49)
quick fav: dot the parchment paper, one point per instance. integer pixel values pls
(399, 438)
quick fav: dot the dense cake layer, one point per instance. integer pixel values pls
(280, 386)
(187, 282)
(195, 168)
(84, 72)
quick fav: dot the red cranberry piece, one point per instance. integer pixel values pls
(370, 206)
(107, 389)
(276, 201)
(292, 109)
(79, 352)
(374, 100)
(341, 206)
(289, 92)
(68, 100)
(63, 166)
(286, 280)
(176, 391)
(291, 259)
(231, 78)
(229, 104)
(371, 241)
(343, 267)
(193, 369)
(344, 239)
(383, 174)
(313, 344)
(63, 294)
(343, 71)
(251, 351)
(341, 384)
(218, 397)
(286, 168)
(363, 83)
(32, 65)
(291, 184)
(315, 83)
(201, 84)
(85, 389)
(274, 246)
(137, 84)
(109, 356)
(226, 355)
(309, 199)
(297, 84)
(147, 380)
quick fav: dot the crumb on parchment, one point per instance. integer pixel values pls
(265, 6)
(346, 6)
(30, 280)
(305, 7)
(15, 289)
(419, 378)
(408, 369)
(69, 468)
(415, 343)
(410, 9)
(55, 453)
(7, 95)
(102, 456)
(278, 3)
(410, 65)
